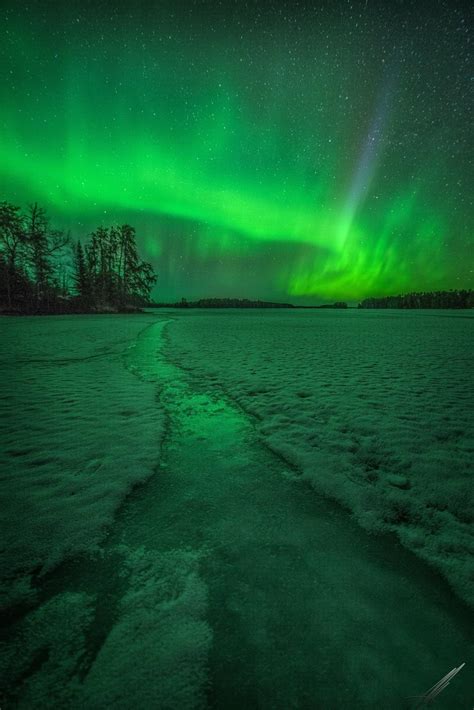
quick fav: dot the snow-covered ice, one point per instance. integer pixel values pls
(78, 430)
(170, 536)
(374, 408)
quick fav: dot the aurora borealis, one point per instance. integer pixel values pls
(287, 151)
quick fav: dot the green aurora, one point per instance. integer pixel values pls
(308, 154)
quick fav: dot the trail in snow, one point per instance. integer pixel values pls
(226, 582)
(306, 609)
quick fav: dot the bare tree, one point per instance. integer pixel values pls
(12, 240)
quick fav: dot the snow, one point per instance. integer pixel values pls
(161, 634)
(78, 432)
(372, 408)
(169, 532)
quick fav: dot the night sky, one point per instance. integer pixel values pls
(299, 151)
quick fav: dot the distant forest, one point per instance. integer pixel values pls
(43, 271)
(222, 303)
(434, 299)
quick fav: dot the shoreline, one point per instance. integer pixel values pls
(147, 309)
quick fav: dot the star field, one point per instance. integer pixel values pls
(289, 151)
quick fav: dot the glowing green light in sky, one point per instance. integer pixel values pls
(313, 164)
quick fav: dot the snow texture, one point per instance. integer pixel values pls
(78, 431)
(373, 408)
(228, 571)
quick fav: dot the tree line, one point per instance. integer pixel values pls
(42, 270)
(222, 303)
(435, 299)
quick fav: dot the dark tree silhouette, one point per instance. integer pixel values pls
(82, 284)
(37, 228)
(12, 239)
(112, 272)
(435, 299)
(36, 276)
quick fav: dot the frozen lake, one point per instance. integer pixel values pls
(226, 509)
